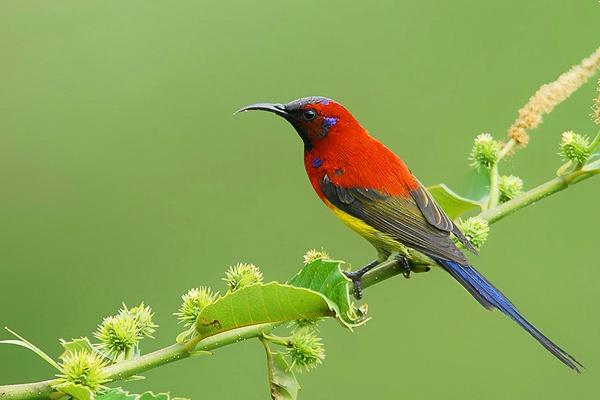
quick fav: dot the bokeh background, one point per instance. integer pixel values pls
(125, 177)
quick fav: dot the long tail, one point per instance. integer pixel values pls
(491, 298)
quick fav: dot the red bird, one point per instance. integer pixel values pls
(373, 192)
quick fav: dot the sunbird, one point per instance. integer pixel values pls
(374, 193)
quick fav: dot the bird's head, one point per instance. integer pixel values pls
(316, 119)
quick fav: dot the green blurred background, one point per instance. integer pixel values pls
(125, 177)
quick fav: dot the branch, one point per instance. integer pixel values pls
(546, 189)
(128, 368)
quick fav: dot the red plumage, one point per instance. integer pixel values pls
(350, 157)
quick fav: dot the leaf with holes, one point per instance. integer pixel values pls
(326, 277)
(263, 304)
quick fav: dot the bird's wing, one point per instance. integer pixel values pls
(437, 217)
(401, 218)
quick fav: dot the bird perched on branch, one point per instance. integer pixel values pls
(374, 193)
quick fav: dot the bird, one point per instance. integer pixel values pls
(373, 192)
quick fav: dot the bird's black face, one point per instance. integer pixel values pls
(308, 115)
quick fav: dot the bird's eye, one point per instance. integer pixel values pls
(309, 114)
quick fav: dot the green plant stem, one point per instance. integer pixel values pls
(494, 195)
(506, 149)
(392, 268)
(128, 368)
(281, 341)
(546, 189)
(36, 390)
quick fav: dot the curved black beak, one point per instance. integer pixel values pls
(275, 108)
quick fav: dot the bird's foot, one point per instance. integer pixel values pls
(405, 265)
(356, 276)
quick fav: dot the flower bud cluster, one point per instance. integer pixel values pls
(120, 334)
(305, 348)
(574, 147)
(476, 230)
(485, 151)
(510, 186)
(82, 368)
(313, 255)
(242, 275)
(193, 302)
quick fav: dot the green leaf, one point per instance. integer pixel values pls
(259, 304)
(282, 381)
(28, 345)
(120, 394)
(478, 184)
(326, 277)
(593, 163)
(452, 203)
(75, 390)
(75, 345)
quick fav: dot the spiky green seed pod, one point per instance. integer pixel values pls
(305, 349)
(484, 152)
(193, 302)
(242, 275)
(313, 255)
(142, 315)
(118, 335)
(476, 230)
(83, 368)
(574, 147)
(510, 187)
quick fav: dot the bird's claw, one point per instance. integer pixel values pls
(355, 277)
(405, 265)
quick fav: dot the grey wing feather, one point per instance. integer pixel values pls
(437, 217)
(398, 217)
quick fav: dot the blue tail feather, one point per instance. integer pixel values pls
(490, 297)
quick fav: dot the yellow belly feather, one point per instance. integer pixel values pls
(380, 240)
(385, 245)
